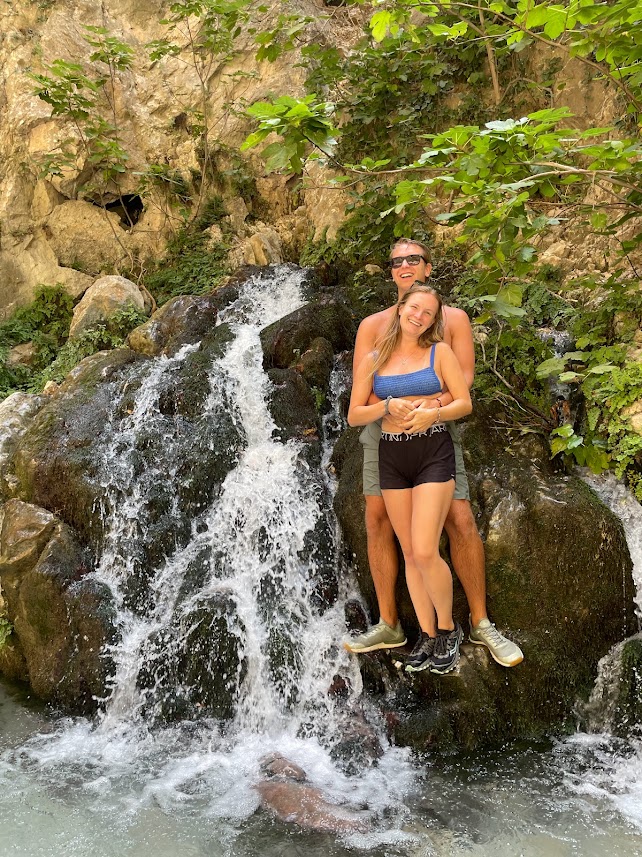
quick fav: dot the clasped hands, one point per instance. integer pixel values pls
(413, 416)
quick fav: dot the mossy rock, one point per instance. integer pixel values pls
(553, 551)
(63, 621)
(287, 339)
(628, 713)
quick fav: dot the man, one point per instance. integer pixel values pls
(410, 262)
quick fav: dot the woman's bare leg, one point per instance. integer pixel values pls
(430, 504)
(399, 507)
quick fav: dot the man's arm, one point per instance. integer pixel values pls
(461, 342)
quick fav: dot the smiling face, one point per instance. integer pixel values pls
(418, 313)
(409, 272)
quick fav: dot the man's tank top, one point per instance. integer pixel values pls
(424, 382)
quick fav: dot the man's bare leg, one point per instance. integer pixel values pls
(382, 556)
(467, 554)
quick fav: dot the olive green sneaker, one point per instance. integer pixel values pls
(502, 650)
(379, 636)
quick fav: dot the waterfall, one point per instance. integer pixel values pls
(229, 595)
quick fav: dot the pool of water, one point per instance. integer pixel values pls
(66, 789)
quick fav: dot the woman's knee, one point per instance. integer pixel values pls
(425, 557)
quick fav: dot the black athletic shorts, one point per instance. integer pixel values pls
(407, 460)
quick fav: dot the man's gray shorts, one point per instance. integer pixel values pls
(369, 438)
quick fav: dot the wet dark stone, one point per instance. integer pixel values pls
(285, 341)
(195, 668)
(553, 551)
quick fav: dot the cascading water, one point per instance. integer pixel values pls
(235, 597)
(215, 584)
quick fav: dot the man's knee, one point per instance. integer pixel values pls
(377, 521)
(460, 521)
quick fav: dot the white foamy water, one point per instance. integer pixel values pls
(256, 540)
(125, 785)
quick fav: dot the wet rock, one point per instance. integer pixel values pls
(185, 319)
(305, 806)
(316, 364)
(16, 414)
(286, 340)
(276, 765)
(358, 745)
(55, 461)
(553, 551)
(194, 668)
(292, 407)
(615, 703)
(62, 620)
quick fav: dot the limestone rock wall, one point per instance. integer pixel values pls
(48, 234)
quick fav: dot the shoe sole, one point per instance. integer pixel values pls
(494, 657)
(376, 648)
(445, 671)
(421, 668)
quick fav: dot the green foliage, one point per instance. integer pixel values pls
(85, 97)
(45, 323)
(387, 93)
(284, 36)
(101, 337)
(6, 629)
(191, 267)
(212, 211)
(173, 184)
(49, 315)
(300, 122)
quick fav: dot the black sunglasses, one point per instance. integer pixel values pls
(412, 259)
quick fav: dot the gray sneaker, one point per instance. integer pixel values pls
(502, 650)
(380, 636)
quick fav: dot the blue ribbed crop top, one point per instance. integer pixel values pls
(424, 382)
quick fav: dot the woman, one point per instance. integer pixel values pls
(417, 469)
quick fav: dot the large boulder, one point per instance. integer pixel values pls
(86, 237)
(182, 320)
(16, 413)
(63, 621)
(559, 583)
(102, 300)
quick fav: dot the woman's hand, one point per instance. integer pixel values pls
(399, 411)
(421, 419)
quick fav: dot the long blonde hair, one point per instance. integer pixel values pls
(386, 344)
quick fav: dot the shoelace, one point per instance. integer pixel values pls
(441, 646)
(494, 635)
(422, 643)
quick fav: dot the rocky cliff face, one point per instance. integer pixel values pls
(59, 228)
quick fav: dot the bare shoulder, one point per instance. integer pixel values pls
(374, 325)
(456, 319)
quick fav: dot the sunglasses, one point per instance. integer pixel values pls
(413, 259)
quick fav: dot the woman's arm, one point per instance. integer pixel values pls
(360, 413)
(448, 368)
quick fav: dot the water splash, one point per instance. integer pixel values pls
(254, 550)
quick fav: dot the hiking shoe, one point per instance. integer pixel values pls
(419, 658)
(446, 652)
(502, 650)
(380, 636)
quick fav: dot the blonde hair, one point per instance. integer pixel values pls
(389, 340)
